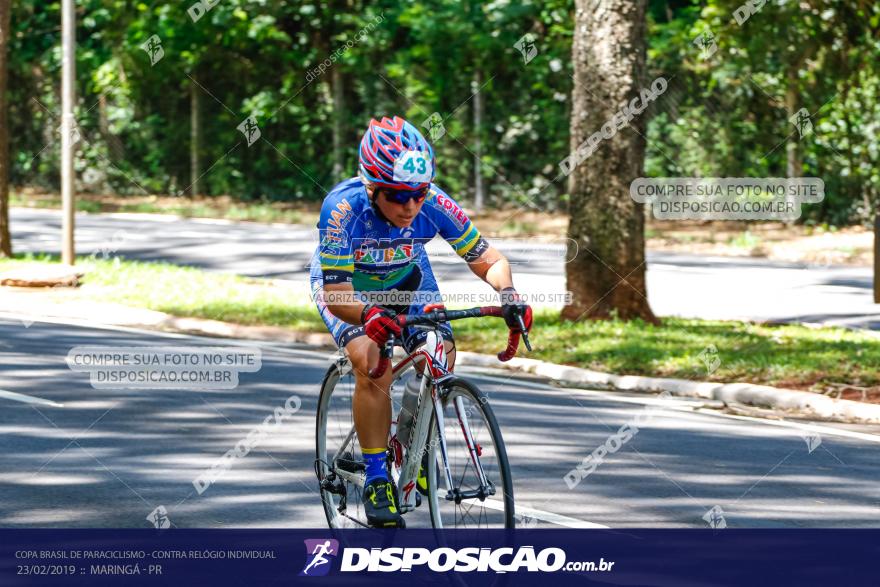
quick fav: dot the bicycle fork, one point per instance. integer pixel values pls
(436, 372)
(455, 493)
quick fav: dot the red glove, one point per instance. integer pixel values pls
(513, 306)
(379, 324)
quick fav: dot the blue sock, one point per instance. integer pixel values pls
(375, 461)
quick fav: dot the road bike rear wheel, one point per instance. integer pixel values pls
(466, 407)
(341, 497)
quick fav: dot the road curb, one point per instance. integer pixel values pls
(204, 327)
(801, 403)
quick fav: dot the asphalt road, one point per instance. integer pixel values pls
(678, 284)
(108, 458)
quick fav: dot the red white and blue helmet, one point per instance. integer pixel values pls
(395, 155)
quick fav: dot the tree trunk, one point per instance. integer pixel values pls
(195, 139)
(607, 272)
(792, 156)
(5, 240)
(478, 143)
(338, 114)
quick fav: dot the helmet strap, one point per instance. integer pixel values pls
(372, 197)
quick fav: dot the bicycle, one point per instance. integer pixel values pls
(475, 472)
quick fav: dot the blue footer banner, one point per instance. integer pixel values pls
(525, 557)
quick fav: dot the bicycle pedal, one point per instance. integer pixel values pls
(334, 486)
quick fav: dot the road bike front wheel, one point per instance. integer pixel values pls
(465, 407)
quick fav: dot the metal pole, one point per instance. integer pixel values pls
(877, 259)
(69, 131)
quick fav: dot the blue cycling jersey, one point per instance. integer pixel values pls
(358, 246)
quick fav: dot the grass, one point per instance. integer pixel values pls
(820, 359)
(183, 291)
(745, 240)
(783, 355)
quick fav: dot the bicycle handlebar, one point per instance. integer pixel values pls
(384, 358)
(436, 314)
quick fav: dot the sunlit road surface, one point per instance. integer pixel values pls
(75, 456)
(678, 284)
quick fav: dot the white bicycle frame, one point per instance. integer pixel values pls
(436, 370)
(436, 363)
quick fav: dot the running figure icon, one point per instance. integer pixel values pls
(318, 555)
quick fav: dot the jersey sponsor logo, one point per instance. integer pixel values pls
(334, 235)
(478, 249)
(341, 215)
(333, 239)
(337, 277)
(453, 210)
(384, 251)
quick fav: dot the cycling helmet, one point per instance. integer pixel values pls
(395, 155)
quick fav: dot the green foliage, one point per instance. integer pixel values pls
(728, 114)
(725, 115)
(253, 57)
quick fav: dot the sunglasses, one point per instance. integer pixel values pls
(402, 196)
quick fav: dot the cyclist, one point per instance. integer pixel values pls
(373, 229)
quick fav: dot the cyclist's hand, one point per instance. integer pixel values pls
(512, 306)
(379, 323)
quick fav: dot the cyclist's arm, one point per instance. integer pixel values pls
(336, 258)
(492, 267)
(341, 302)
(485, 261)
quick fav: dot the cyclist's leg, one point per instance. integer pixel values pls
(371, 412)
(371, 403)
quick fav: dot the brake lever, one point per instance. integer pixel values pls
(524, 331)
(385, 354)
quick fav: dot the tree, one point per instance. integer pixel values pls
(5, 241)
(606, 274)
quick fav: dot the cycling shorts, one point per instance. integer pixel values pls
(407, 297)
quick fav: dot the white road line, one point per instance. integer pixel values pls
(28, 399)
(557, 519)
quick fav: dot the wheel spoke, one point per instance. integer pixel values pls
(337, 423)
(465, 473)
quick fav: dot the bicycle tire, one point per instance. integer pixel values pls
(453, 388)
(322, 467)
